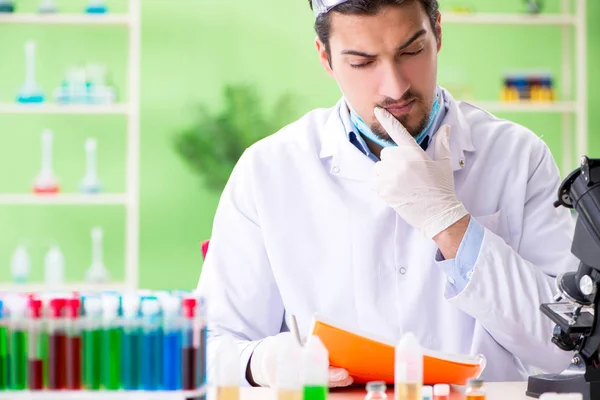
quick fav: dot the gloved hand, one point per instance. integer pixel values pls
(263, 364)
(420, 189)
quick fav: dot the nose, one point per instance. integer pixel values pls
(393, 84)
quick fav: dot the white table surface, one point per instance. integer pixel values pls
(495, 391)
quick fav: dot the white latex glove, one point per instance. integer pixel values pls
(263, 364)
(420, 189)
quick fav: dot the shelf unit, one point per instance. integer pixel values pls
(575, 102)
(131, 110)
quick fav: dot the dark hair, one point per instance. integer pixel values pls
(367, 7)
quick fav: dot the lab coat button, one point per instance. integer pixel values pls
(402, 270)
(451, 280)
(461, 162)
(335, 169)
(470, 274)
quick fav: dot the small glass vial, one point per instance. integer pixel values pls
(376, 391)
(475, 390)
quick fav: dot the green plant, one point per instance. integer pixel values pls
(213, 144)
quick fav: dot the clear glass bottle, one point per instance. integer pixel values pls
(475, 390)
(376, 391)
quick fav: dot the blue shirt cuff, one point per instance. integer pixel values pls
(460, 269)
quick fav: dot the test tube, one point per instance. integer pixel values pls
(17, 374)
(171, 377)
(92, 342)
(57, 345)
(408, 368)
(188, 350)
(3, 348)
(36, 349)
(315, 370)
(151, 345)
(201, 334)
(73, 330)
(132, 357)
(111, 343)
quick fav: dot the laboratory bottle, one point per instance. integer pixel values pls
(408, 374)
(288, 370)
(315, 369)
(441, 392)
(427, 392)
(227, 372)
(376, 391)
(475, 390)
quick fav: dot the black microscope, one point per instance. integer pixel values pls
(577, 302)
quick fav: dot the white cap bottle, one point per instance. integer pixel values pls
(289, 366)
(409, 360)
(315, 364)
(441, 391)
(427, 392)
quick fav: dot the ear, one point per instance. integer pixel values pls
(438, 30)
(323, 56)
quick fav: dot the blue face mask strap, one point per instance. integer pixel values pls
(364, 129)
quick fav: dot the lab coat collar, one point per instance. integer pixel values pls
(348, 162)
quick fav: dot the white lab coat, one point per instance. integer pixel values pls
(299, 230)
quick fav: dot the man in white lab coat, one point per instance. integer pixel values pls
(399, 209)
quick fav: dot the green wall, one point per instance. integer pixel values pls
(190, 49)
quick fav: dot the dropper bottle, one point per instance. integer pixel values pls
(131, 342)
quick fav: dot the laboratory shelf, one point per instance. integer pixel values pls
(48, 108)
(509, 19)
(67, 287)
(65, 19)
(64, 199)
(528, 106)
(100, 395)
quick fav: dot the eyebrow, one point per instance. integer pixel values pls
(404, 46)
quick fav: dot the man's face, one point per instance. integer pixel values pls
(386, 60)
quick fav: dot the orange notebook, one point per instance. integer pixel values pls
(369, 359)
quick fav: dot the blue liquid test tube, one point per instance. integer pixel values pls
(131, 343)
(151, 345)
(171, 366)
